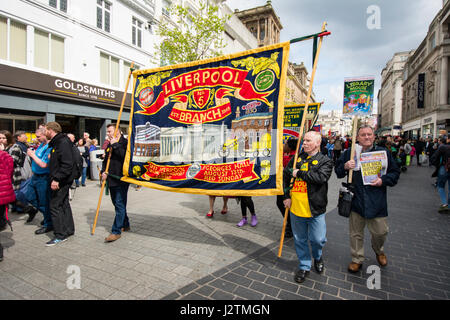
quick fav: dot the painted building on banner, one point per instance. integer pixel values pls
(426, 90)
(68, 61)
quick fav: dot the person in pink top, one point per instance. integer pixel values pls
(7, 194)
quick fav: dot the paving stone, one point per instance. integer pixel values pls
(286, 295)
(257, 276)
(326, 288)
(348, 295)
(266, 289)
(339, 283)
(287, 286)
(205, 290)
(310, 293)
(220, 295)
(247, 293)
(235, 278)
(223, 285)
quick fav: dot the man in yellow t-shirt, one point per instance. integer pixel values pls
(307, 201)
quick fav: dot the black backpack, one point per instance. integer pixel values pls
(77, 168)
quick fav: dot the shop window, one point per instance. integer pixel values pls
(7, 124)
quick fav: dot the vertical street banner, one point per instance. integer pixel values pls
(293, 115)
(358, 96)
(421, 91)
(210, 127)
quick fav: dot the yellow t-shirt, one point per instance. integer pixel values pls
(299, 196)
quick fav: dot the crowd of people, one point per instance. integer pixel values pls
(52, 172)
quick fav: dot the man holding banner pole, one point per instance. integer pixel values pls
(307, 202)
(117, 188)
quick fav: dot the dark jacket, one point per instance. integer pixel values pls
(441, 156)
(61, 159)
(316, 179)
(369, 202)
(117, 158)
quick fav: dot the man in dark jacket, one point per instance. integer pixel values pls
(61, 177)
(369, 205)
(440, 159)
(307, 202)
(117, 188)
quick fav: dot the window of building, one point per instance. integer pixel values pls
(126, 70)
(432, 41)
(62, 4)
(104, 15)
(48, 51)
(136, 33)
(262, 30)
(109, 70)
(13, 40)
(165, 8)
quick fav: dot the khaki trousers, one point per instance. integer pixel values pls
(378, 228)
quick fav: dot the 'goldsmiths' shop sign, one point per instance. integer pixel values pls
(40, 83)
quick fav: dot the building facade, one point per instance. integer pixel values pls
(426, 91)
(266, 26)
(68, 61)
(390, 95)
(333, 123)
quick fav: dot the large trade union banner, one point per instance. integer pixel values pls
(210, 127)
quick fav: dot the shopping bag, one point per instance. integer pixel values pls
(408, 160)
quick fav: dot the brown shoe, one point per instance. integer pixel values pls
(126, 229)
(354, 267)
(382, 260)
(112, 237)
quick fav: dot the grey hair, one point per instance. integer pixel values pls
(365, 126)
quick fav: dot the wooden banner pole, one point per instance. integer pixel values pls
(352, 151)
(109, 155)
(302, 126)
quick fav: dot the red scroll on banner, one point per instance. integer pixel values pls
(213, 173)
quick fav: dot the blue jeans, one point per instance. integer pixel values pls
(83, 177)
(39, 196)
(442, 178)
(312, 229)
(119, 199)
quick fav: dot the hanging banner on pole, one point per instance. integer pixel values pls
(293, 115)
(358, 96)
(210, 127)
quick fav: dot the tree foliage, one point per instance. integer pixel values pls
(198, 35)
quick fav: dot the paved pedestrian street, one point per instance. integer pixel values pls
(174, 252)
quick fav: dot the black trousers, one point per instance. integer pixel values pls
(247, 202)
(63, 225)
(280, 206)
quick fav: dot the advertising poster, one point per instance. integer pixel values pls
(210, 127)
(358, 96)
